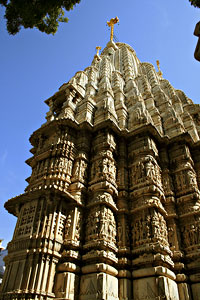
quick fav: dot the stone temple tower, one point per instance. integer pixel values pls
(112, 207)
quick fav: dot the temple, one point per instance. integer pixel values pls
(112, 207)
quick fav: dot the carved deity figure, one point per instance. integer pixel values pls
(68, 226)
(150, 171)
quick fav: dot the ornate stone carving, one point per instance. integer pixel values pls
(112, 207)
(101, 225)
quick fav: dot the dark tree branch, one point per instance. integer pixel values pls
(42, 14)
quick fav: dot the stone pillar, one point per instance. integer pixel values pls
(152, 262)
(123, 228)
(174, 236)
(78, 186)
(68, 270)
(99, 274)
(188, 203)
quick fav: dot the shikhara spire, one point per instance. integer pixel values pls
(112, 207)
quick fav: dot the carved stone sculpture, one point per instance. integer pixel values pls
(112, 207)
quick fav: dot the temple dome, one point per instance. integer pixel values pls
(117, 86)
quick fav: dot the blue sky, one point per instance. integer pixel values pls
(34, 65)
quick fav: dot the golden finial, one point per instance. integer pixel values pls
(98, 48)
(159, 70)
(111, 24)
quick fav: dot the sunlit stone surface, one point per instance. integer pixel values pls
(111, 210)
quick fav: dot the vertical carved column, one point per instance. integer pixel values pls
(68, 270)
(123, 230)
(188, 203)
(67, 276)
(99, 275)
(150, 247)
(173, 226)
(79, 178)
(196, 158)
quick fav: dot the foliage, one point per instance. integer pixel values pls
(196, 3)
(42, 14)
